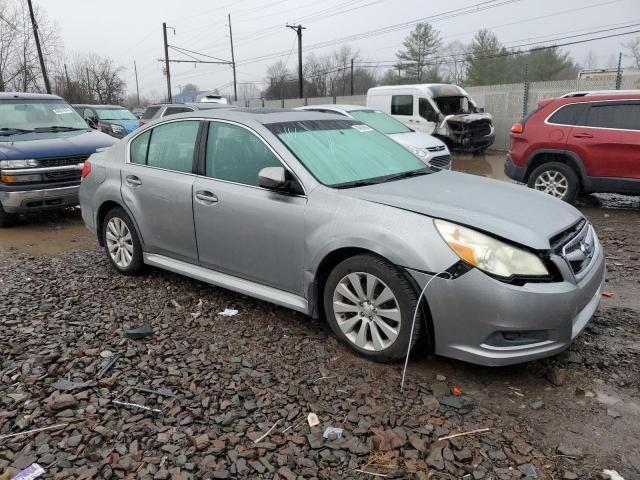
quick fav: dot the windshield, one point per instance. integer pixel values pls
(115, 114)
(344, 153)
(454, 105)
(380, 121)
(29, 115)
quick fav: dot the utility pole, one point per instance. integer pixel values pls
(47, 86)
(233, 63)
(135, 69)
(619, 73)
(166, 61)
(352, 77)
(89, 86)
(66, 74)
(298, 29)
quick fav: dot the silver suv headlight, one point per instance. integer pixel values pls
(18, 163)
(489, 254)
(421, 153)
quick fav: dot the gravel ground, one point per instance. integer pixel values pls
(229, 396)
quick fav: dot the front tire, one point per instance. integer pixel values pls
(121, 242)
(369, 305)
(7, 219)
(557, 179)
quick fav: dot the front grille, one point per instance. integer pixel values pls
(441, 162)
(475, 130)
(577, 246)
(439, 148)
(62, 161)
(63, 175)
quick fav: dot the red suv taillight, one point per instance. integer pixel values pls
(86, 169)
(517, 128)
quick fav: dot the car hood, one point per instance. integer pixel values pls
(510, 211)
(128, 125)
(416, 140)
(63, 144)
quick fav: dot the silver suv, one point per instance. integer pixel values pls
(324, 215)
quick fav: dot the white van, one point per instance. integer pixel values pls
(439, 109)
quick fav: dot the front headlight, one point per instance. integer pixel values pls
(18, 163)
(117, 128)
(421, 153)
(20, 178)
(489, 254)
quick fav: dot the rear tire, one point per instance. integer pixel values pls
(369, 304)
(121, 242)
(7, 219)
(557, 179)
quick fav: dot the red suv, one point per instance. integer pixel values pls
(580, 143)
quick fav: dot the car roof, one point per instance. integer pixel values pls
(196, 105)
(28, 96)
(338, 106)
(105, 107)
(593, 93)
(262, 116)
(600, 96)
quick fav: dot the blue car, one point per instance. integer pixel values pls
(43, 146)
(113, 120)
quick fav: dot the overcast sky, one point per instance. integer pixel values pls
(132, 30)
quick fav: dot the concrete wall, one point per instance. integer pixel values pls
(504, 102)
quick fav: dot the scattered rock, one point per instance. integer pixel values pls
(564, 449)
(536, 405)
(557, 376)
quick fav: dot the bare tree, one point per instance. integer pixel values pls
(633, 49)
(591, 60)
(455, 64)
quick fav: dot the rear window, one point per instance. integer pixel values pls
(174, 110)
(619, 116)
(402, 105)
(568, 115)
(150, 112)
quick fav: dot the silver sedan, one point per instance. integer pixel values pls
(324, 215)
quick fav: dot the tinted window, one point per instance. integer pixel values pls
(88, 114)
(237, 155)
(172, 110)
(426, 110)
(614, 116)
(150, 112)
(172, 146)
(402, 105)
(139, 148)
(568, 115)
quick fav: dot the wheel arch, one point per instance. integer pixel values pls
(104, 209)
(540, 157)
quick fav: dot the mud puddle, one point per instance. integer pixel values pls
(47, 233)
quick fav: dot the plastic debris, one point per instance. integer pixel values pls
(313, 419)
(457, 391)
(332, 433)
(35, 430)
(110, 363)
(228, 312)
(32, 471)
(528, 470)
(140, 332)
(612, 475)
(69, 386)
(608, 295)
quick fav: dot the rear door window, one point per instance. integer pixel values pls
(402, 105)
(139, 148)
(171, 146)
(616, 116)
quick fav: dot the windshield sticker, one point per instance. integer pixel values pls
(62, 111)
(362, 128)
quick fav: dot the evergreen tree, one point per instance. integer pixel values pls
(420, 48)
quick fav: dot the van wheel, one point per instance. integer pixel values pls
(121, 242)
(7, 219)
(556, 179)
(370, 305)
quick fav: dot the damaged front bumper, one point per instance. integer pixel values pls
(469, 133)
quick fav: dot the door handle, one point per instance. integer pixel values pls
(206, 197)
(582, 135)
(133, 181)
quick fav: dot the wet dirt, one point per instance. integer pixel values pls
(597, 409)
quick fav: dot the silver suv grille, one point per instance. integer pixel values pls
(442, 162)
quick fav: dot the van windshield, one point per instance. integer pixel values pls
(454, 105)
(380, 121)
(21, 116)
(345, 154)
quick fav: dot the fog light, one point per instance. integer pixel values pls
(517, 337)
(20, 178)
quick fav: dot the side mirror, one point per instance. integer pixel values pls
(273, 178)
(480, 109)
(90, 122)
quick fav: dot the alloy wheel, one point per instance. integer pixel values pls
(552, 182)
(366, 311)
(119, 242)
